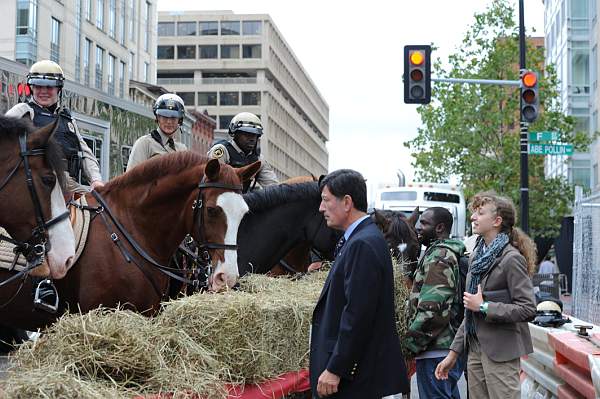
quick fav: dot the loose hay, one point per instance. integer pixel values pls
(197, 343)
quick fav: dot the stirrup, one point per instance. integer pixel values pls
(38, 303)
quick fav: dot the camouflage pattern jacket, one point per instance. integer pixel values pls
(434, 301)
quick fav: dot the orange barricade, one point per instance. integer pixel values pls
(571, 362)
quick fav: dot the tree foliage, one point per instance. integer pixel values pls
(472, 131)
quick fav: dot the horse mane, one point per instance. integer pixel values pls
(158, 167)
(283, 193)
(400, 227)
(11, 128)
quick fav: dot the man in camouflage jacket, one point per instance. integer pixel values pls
(435, 304)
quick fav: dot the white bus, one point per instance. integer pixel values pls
(426, 195)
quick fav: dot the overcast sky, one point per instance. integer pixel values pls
(353, 52)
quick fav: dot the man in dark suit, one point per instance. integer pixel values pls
(355, 351)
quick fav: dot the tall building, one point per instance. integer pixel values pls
(99, 43)
(572, 36)
(227, 63)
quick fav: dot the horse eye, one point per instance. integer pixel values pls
(49, 180)
(212, 211)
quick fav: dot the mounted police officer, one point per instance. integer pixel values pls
(243, 149)
(169, 110)
(46, 80)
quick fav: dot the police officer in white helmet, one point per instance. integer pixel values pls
(243, 149)
(46, 80)
(169, 111)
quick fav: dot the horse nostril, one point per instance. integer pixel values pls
(69, 262)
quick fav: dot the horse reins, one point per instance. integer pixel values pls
(205, 260)
(37, 245)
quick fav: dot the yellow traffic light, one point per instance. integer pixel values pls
(417, 57)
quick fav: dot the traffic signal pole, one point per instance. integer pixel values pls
(524, 139)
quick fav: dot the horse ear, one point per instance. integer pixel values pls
(380, 220)
(39, 138)
(212, 169)
(414, 217)
(248, 172)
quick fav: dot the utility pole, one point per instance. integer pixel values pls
(524, 139)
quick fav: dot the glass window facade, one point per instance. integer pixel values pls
(208, 28)
(251, 51)
(229, 98)
(100, 14)
(122, 69)
(230, 51)
(99, 67)
(165, 52)
(187, 52)
(146, 72)
(123, 33)
(207, 98)
(186, 28)
(166, 29)
(224, 121)
(132, 17)
(251, 98)
(26, 29)
(87, 56)
(580, 173)
(55, 41)
(230, 28)
(112, 18)
(251, 27)
(208, 51)
(110, 74)
(187, 97)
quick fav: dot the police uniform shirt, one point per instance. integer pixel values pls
(148, 146)
(265, 176)
(90, 165)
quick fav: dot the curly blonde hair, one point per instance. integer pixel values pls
(505, 208)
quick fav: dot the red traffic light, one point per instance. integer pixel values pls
(416, 75)
(529, 79)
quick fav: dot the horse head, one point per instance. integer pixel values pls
(222, 210)
(34, 209)
(399, 232)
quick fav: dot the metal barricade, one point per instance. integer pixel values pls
(586, 257)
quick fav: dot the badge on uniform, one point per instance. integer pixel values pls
(218, 152)
(71, 127)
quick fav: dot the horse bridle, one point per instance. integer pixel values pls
(37, 245)
(204, 261)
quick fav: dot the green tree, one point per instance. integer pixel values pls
(472, 131)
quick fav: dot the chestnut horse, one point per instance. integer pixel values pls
(139, 220)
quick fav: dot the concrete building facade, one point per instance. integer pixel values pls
(227, 63)
(99, 43)
(571, 38)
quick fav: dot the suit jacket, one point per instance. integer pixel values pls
(353, 332)
(504, 333)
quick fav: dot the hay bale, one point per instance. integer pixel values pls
(124, 349)
(51, 382)
(255, 335)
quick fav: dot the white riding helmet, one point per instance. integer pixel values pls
(246, 122)
(169, 105)
(46, 73)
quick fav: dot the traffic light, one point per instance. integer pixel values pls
(417, 74)
(530, 99)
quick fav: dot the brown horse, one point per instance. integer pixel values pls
(156, 204)
(33, 208)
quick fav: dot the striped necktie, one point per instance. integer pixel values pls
(338, 246)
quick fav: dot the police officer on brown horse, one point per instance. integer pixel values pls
(243, 149)
(46, 80)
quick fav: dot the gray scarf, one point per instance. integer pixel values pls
(482, 262)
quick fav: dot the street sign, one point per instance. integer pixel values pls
(550, 149)
(543, 136)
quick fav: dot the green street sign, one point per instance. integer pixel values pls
(550, 149)
(544, 136)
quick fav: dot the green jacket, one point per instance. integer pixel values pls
(434, 301)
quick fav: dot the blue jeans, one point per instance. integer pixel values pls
(432, 388)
